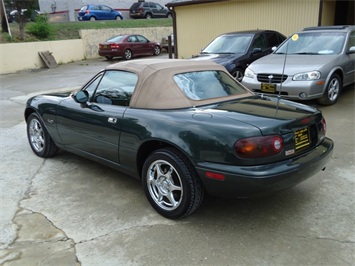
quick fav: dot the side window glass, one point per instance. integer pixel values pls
(351, 42)
(272, 39)
(91, 86)
(115, 88)
(142, 39)
(258, 42)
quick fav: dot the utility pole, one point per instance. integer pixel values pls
(4, 22)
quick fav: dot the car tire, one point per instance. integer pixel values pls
(40, 141)
(238, 74)
(171, 184)
(169, 15)
(148, 16)
(92, 19)
(118, 18)
(127, 55)
(332, 91)
(109, 57)
(156, 50)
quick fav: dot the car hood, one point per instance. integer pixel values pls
(266, 113)
(274, 63)
(218, 58)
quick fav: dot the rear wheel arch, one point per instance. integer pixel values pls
(150, 146)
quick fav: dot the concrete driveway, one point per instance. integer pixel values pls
(70, 211)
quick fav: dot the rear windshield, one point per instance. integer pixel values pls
(116, 39)
(135, 5)
(203, 85)
(83, 8)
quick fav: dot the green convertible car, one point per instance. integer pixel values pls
(184, 128)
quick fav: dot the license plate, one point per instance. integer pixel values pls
(302, 138)
(267, 87)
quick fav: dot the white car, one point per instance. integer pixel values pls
(315, 63)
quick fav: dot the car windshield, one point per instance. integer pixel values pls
(321, 43)
(203, 85)
(229, 44)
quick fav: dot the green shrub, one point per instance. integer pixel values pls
(40, 28)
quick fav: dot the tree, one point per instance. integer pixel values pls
(25, 10)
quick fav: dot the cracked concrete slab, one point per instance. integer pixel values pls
(67, 210)
(39, 243)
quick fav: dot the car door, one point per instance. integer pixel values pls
(101, 13)
(94, 128)
(157, 10)
(145, 47)
(349, 65)
(106, 12)
(134, 45)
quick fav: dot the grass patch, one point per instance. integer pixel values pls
(70, 30)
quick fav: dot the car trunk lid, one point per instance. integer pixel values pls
(301, 127)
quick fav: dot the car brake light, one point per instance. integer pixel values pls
(324, 126)
(140, 10)
(259, 147)
(87, 11)
(114, 46)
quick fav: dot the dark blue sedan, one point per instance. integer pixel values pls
(98, 12)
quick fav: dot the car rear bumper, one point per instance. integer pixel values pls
(290, 89)
(253, 181)
(136, 15)
(110, 53)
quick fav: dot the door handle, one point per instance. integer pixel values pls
(112, 120)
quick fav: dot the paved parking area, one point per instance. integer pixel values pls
(70, 211)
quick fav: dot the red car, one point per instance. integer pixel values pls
(128, 46)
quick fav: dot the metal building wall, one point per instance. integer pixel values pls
(197, 25)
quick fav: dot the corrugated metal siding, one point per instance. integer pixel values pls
(198, 24)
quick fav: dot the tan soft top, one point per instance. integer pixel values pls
(156, 88)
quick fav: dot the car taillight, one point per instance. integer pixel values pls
(87, 11)
(324, 126)
(114, 46)
(259, 147)
(140, 10)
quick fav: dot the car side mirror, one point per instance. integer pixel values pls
(256, 51)
(81, 96)
(351, 50)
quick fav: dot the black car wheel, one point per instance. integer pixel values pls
(171, 184)
(127, 54)
(109, 57)
(92, 19)
(148, 16)
(118, 18)
(157, 50)
(238, 73)
(38, 137)
(332, 91)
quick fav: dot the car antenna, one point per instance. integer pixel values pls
(293, 38)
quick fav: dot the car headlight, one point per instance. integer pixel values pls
(249, 73)
(312, 75)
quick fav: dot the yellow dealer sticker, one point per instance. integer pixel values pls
(295, 37)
